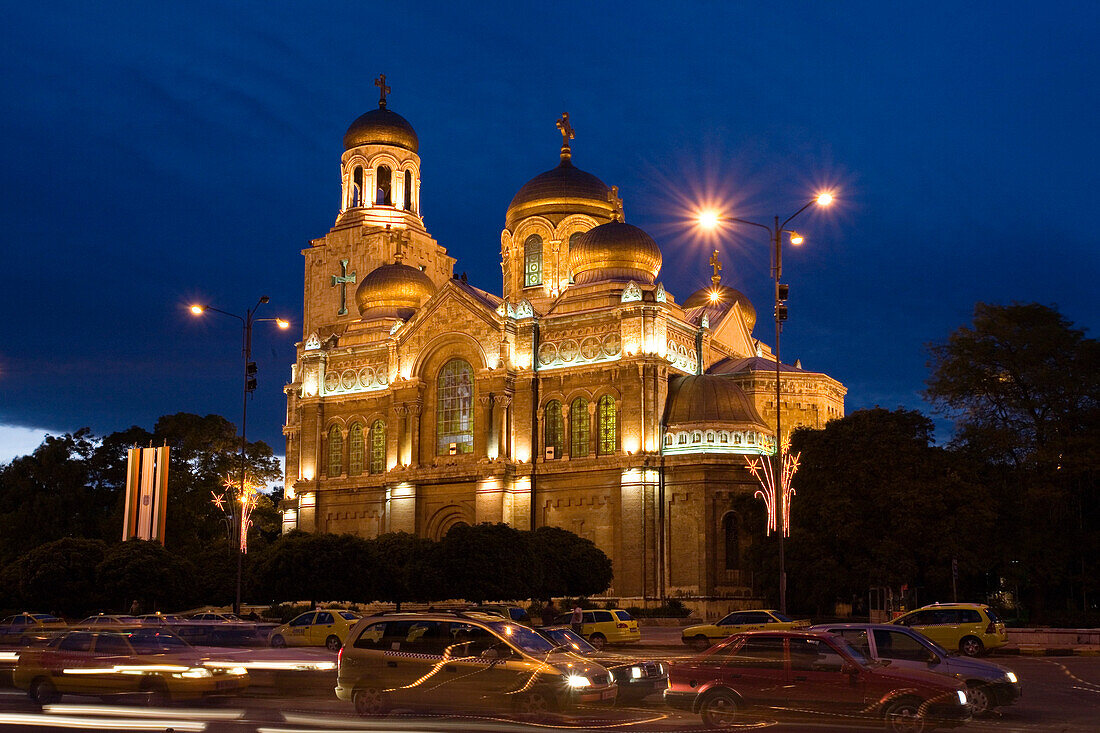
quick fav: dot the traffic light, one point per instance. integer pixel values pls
(782, 291)
(250, 377)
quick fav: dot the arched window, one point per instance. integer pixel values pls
(454, 408)
(408, 190)
(578, 428)
(335, 451)
(355, 450)
(555, 436)
(732, 542)
(605, 424)
(378, 447)
(532, 261)
(385, 177)
(356, 198)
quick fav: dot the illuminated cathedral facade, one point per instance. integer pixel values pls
(583, 396)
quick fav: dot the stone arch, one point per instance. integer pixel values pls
(444, 519)
(572, 224)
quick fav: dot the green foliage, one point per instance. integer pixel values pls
(487, 562)
(148, 573)
(409, 568)
(59, 577)
(565, 564)
(315, 566)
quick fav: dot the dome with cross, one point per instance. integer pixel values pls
(381, 126)
(615, 251)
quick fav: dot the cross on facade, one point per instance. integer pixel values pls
(716, 266)
(566, 132)
(342, 280)
(383, 90)
(616, 203)
(397, 240)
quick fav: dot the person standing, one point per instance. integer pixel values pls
(549, 613)
(577, 617)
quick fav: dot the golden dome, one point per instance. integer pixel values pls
(711, 400)
(393, 291)
(563, 190)
(381, 127)
(614, 251)
(727, 296)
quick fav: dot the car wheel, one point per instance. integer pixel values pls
(156, 693)
(333, 644)
(598, 640)
(904, 716)
(971, 646)
(977, 696)
(719, 710)
(278, 641)
(533, 707)
(370, 701)
(700, 643)
(43, 692)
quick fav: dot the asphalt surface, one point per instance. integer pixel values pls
(1059, 694)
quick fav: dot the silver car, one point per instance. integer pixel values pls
(988, 684)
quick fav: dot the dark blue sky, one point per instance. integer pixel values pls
(155, 154)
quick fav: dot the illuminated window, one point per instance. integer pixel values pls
(605, 424)
(668, 439)
(555, 436)
(385, 178)
(356, 198)
(723, 438)
(408, 190)
(454, 408)
(683, 439)
(335, 451)
(578, 428)
(732, 542)
(355, 450)
(696, 438)
(532, 261)
(710, 437)
(378, 447)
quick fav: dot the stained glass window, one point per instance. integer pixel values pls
(532, 261)
(454, 408)
(555, 436)
(355, 450)
(335, 451)
(578, 428)
(605, 423)
(378, 447)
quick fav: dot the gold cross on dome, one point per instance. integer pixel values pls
(616, 203)
(716, 267)
(566, 130)
(383, 90)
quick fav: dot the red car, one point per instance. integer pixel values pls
(810, 673)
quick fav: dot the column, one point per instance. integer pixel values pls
(502, 408)
(414, 437)
(593, 428)
(567, 432)
(481, 424)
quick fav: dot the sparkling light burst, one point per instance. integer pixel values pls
(247, 498)
(761, 469)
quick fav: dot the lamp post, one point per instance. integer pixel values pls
(711, 220)
(249, 387)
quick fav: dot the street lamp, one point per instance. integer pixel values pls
(711, 220)
(249, 387)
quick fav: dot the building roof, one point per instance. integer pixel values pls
(709, 399)
(381, 127)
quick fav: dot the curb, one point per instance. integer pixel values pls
(1045, 652)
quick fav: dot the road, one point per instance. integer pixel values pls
(1060, 694)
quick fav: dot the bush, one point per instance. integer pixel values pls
(284, 612)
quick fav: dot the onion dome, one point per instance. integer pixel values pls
(710, 400)
(614, 251)
(563, 190)
(393, 291)
(381, 127)
(727, 296)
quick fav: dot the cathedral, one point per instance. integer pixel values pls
(584, 396)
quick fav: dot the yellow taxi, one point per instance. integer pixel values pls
(151, 664)
(704, 635)
(605, 626)
(325, 627)
(972, 628)
(26, 628)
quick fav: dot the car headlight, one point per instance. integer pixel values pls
(1011, 677)
(576, 680)
(196, 673)
(238, 670)
(636, 672)
(962, 696)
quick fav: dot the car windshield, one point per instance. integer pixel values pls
(993, 617)
(851, 651)
(349, 615)
(157, 642)
(524, 638)
(46, 617)
(569, 639)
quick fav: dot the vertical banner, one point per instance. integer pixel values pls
(146, 494)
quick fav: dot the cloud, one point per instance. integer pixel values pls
(20, 440)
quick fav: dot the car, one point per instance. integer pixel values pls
(988, 685)
(636, 678)
(159, 619)
(602, 626)
(457, 660)
(27, 628)
(107, 621)
(512, 613)
(324, 627)
(152, 664)
(702, 636)
(216, 617)
(972, 628)
(802, 672)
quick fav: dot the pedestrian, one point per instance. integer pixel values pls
(549, 613)
(575, 620)
(135, 608)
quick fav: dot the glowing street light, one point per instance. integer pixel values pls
(779, 501)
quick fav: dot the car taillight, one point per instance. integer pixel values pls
(991, 629)
(620, 625)
(340, 656)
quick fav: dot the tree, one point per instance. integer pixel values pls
(1023, 386)
(877, 504)
(59, 577)
(566, 564)
(303, 566)
(408, 568)
(487, 562)
(146, 572)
